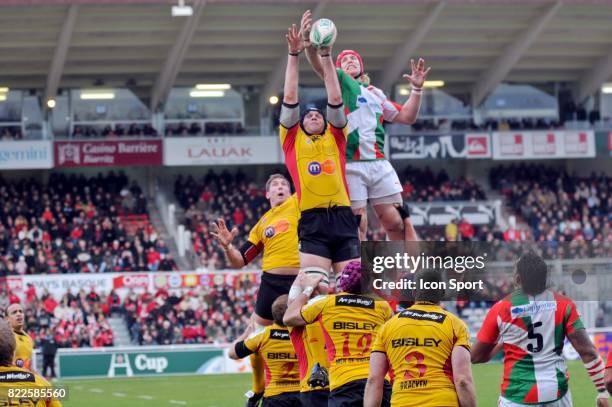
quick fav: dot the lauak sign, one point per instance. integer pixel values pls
(185, 151)
(108, 153)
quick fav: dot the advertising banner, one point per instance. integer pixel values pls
(427, 146)
(183, 151)
(439, 214)
(440, 147)
(107, 153)
(114, 362)
(538, 145)
(478, 145)
(26, 155)
(59, 284)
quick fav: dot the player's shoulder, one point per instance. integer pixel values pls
(319, 300)
(21, 376)
(276, 332)
(561, 299)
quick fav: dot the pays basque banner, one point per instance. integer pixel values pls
(59, 284)
(108, 153)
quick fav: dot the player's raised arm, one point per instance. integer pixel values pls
(335, 112)
(311, 53)
(295, 46)
(225, 237)
(410, 110)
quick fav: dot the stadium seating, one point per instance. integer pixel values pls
(198, 315)
(76, 224)
(9, 133)
(560, 207)
(74, 320)
(118, 130)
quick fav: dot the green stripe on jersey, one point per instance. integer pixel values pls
(522, 380)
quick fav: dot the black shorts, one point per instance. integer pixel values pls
(272, 286)
(315, 398)
(331, 233)
(351, 394)
(283, 400)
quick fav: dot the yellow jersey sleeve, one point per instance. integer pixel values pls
(311, 311)
(380, 343)
(461, 333)
(288, 136)
(255, 234)
(255, 340)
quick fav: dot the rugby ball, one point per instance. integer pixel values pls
(323, 33)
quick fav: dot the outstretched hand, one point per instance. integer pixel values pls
(223, 235)
(306, 26)
(294, 40)
(419, 73)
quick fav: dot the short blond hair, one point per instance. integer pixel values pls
(7, 344)
(273, 177)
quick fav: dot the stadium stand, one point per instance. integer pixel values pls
(200, 315)
(10, 133)
(76, 224)
(117, 130)
(195, 129)
(73, 320)
(557, 206)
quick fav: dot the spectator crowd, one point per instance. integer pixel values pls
(74, 224)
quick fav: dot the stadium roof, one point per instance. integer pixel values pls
(470, 45)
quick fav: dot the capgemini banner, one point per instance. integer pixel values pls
(26, 155)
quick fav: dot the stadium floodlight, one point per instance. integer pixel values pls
(4, 89)
(92, 95)
(2, 97)
(51, 103)
(181, 10)
(607, 88)
(213, 86)
(273, 100)
(207, 93)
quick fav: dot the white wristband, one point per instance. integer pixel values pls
(294, 291)
(603, 395)
(308, 291)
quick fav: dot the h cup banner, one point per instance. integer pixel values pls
(114, 362)
(26, 155)
(479, 271)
